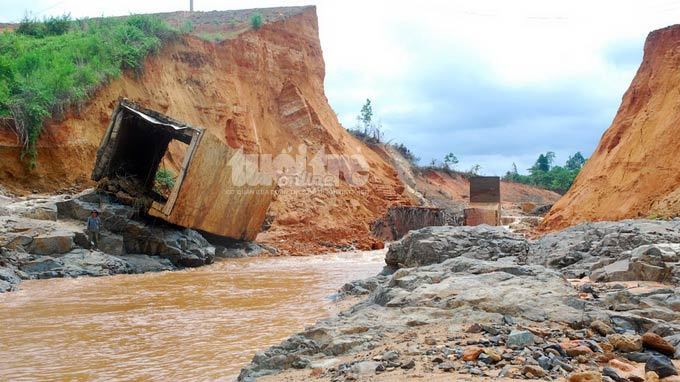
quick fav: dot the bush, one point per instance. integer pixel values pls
(55, 26)
(31, 27)
(256, 20)
(51, 26)
(406, 153)
(187, 27)
(164, 182)
(44, 73)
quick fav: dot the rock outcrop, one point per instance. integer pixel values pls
(482, 301)
(433, 245)
(56, 246)
(633, 172)
(576, 249)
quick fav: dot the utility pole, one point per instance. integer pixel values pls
(191, 5)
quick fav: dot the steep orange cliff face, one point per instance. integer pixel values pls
(634, 172)
(261, 90)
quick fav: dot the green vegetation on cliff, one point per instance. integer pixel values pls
(47, 66)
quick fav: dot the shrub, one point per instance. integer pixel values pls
(406, 153)
(31, 27)
(164, 182)
(256, 20)
(42, 74)
(55, 26)
(187, 27)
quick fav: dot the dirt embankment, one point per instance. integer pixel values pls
(634, 172)
(261, 90)
(452, 190)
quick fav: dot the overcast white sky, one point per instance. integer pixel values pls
(494, 82)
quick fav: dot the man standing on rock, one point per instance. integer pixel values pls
(94, 225)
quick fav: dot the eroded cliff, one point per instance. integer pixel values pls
(634, 171)
(261, 90)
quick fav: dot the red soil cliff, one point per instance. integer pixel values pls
(261, 90)
(634, 172)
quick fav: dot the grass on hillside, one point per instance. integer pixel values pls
(47, 66)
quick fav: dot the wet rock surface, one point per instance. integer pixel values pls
(481, 302)
(45, 237)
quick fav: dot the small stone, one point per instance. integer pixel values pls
(613, 374)
(447, 366)
(588, 376)
(651, 376)
(520, 338)
(616, 364)
(390, 355)
(578, 350)
(430, 341)
(472, 353)
(365, 367)
(625, 342)
(508, 372)
(437, 360)
(654, 341)
(474, 328)
(544, 362)
(493, 355)
(409, 365)
(661, 365)
(601, 328)
(534, 370)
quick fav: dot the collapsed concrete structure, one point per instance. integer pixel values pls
(207, 193)
(485, 201)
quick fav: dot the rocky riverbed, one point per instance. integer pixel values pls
(596, 302)
(44, 237)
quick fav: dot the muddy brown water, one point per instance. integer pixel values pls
(197, 324)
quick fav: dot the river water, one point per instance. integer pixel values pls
(196, 324)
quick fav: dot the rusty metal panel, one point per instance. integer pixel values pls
(485, 189)
(210, 200)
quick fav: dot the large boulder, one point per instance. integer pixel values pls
(52, 243)
(79, 262)
(433, 245)
(576, 249)
(144, 263)
(114, 216)
(183, 247)
(655, 262)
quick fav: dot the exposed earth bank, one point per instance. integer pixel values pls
(634, 172)
(597, 302)
(262, 90)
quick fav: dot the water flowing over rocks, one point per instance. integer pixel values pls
(45, 238)
(482, 301)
